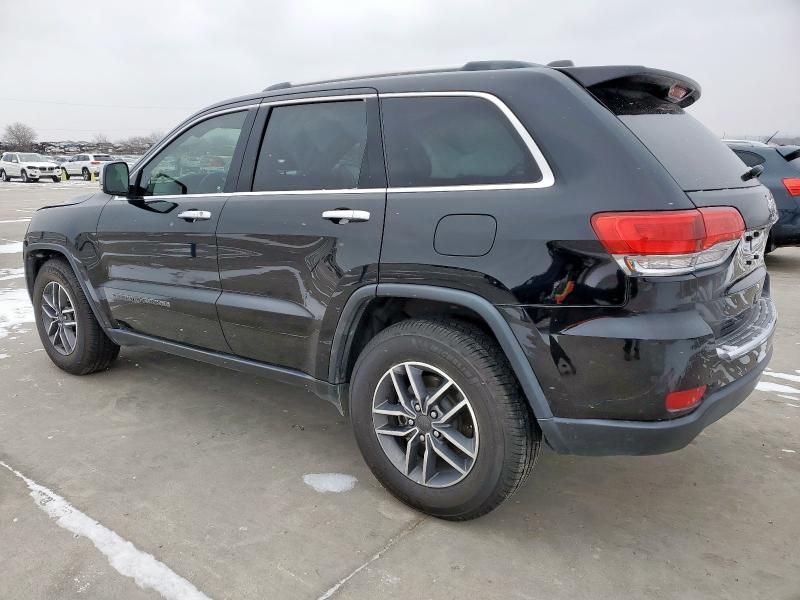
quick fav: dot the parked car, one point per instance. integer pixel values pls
(27, 166)
(469, 262)
(85, 165)
(782, 176)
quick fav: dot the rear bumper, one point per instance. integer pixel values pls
(606, 437)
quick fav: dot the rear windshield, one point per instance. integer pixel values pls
(695, 157)
(104, 157)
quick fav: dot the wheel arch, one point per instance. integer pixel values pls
(356, 326)
(36, 255)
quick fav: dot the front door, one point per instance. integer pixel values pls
(158, 252)
(307, 231)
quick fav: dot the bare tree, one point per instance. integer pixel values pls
(20, 136)
(100, 138)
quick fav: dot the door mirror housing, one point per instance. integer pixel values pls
(116, 179)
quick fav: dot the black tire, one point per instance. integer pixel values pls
(25, 177)
(87, 176)
(56, 179)
(770, 246)
(65, 174)
(4, 176)
(93, 350)
(509, 437)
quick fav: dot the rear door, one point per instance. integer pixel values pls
(305, 230)
(158, 252)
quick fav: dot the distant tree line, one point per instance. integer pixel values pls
(22, 137)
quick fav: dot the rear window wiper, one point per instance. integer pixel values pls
(752, 172)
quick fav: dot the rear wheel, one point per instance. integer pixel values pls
(64, 174)
(4, 176)
(440, 418)
(86, 175)
(72, 337)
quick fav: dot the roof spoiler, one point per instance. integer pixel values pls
(789, 152)
(670, 86)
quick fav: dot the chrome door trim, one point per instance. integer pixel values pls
(354, 216)
(195, 215)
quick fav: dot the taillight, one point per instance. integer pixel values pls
(684, 399)
(95, 162)
(669, 242)
(792, 186)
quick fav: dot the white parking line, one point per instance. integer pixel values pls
(16, 221)
(143, 568)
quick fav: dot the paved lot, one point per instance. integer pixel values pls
(203, 468)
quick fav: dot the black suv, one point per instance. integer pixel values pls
(781, 175)
(468, 261)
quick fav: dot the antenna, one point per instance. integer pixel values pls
(767, 141)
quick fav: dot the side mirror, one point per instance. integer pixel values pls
(115, 179)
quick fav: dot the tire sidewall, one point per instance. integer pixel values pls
(483, 480)
(58, 272)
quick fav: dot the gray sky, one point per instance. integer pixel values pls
(151, 63)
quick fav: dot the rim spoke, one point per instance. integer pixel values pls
(428, 460)
(397, 431)
(60, 336)
(400, 389)
(448, 455)
(68, 335)
(60, 299)
(461, 442)
(412, 453)
(434, 397)
(48, 301)
(450, 413)
(49, 311)
(68, 310)
(417, 385)
(391, 409)
(51, 328)
(69, 323)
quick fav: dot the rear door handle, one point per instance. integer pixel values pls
(345, 216)
(194, 215)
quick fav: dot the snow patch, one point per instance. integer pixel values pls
(330, 482)
(15, 310)
(143, 568)
(2, 356)
(6, 274)
(768, 386)
(12, 248)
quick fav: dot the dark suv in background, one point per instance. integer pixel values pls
(468, 261)
(781, 175)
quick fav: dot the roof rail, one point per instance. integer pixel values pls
(477, 65)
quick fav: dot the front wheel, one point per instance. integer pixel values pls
(86, 175)
(440, 419)
(56, 179)
(25, 177)
(72, 337)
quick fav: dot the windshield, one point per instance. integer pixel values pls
(29, 156)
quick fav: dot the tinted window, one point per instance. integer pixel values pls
(751, 159)
(103, 157)
(197, 161)
(443, 141)
(313, 147)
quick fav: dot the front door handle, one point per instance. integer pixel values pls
(194, 215)
(344, 216)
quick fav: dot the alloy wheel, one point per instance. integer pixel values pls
(58, 317)
(425, 424)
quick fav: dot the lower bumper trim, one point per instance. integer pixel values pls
(607, 437)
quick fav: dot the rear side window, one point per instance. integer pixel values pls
(313, 146)
(751, 159)
(103, 157)
(449, 140)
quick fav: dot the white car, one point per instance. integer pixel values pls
(27, 166)
(85, 165)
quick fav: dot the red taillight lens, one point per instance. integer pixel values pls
(684, 399)
(667, 232)
(95, 162)
(792, 186)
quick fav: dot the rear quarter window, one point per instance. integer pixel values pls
(451, 141)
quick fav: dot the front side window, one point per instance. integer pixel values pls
(452, 140)
(197, 161)
(313, 147)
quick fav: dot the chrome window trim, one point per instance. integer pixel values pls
(547, 180)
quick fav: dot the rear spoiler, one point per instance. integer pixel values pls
(789, 152)
(672, 87)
